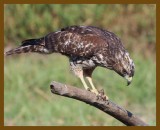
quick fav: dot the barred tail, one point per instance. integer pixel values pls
(30, 45)
(21, 49)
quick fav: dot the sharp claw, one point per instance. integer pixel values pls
(101, 92)
(101, 95)
(106, 98)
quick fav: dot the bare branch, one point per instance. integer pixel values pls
(88, 97)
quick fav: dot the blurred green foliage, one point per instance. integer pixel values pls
(28, 100)
(134, 24)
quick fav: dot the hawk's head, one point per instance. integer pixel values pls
(125, 67)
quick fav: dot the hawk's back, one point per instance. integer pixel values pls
(84, 41)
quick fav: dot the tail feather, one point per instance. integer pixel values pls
(21, 49)
(29, 45)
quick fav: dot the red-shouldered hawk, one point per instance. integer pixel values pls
(86, 47)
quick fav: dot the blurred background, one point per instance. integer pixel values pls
(27, 96)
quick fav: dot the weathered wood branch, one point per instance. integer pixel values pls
(88, 97)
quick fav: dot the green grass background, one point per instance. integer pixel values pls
(27, 97)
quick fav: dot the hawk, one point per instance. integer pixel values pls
(87, 47)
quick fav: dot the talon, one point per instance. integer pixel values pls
(106, 98)
(101, 92)
(97, 97)
(101, 95)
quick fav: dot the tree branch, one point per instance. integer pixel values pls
(88, 97)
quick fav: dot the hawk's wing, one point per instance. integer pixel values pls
(84, 41)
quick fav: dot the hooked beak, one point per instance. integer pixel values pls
(129, 80)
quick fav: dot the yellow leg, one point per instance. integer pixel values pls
(93, 87)
(78, 71)
(83, 82)
(94, 90)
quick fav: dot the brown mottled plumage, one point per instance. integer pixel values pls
(86, 47)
